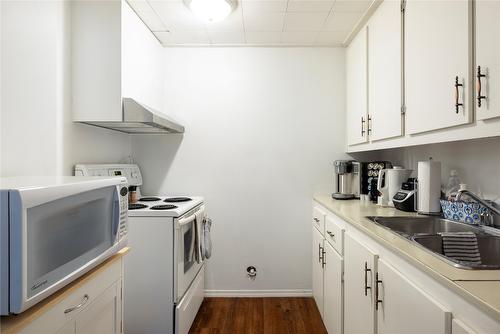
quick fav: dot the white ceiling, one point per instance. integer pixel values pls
(255, 22)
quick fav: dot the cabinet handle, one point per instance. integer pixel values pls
(366, 279)
(84, 301)
(457, 95)
(316, 220)
(320, 259)
(369, 124)
(323, 258)
(362, 126)
(330, 233)
(479, 87)
(377, 282)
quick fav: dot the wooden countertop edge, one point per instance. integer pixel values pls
(15, 323)
(452, 284)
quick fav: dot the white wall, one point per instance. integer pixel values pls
(38, 136)
(263, 127)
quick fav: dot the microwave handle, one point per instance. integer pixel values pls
(116, 213)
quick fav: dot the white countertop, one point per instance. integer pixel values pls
(482, 287)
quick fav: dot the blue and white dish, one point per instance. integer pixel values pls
(464, 212)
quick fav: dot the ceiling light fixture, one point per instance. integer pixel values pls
(210, 10)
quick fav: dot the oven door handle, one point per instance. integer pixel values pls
(191, 218)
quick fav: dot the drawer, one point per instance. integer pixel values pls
(318, 219)
(55, 317)
(334, 233)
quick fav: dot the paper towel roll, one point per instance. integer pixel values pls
(429, 187)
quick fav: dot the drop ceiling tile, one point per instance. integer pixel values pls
(227, 37)
(298, 37)
(333, 38)
(342, 21)
(165, 37)
(263, 37)
(263, 6)
(265, 21)
(309, 6)
(176, 16)
(305, 21)
(151, 19)
(234, 22)
(351, 5)
(190, 37)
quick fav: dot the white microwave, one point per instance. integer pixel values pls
(55, 229)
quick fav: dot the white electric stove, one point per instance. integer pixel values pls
(164, 282)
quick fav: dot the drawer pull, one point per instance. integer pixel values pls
(377, 292)
(457, 95)
(84, 301)
(316, 220)
(366, 279)
(479, 87)
(330, 234)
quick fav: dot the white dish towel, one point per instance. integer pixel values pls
(207, 242)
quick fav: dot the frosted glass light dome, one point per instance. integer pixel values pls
(210, 10)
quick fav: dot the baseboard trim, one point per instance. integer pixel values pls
(258, 293)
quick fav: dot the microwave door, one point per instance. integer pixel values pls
(55, 241)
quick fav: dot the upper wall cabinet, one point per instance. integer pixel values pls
(117, 69)
(487, 71)
(437, 63)
(357, 89)
(385, 72)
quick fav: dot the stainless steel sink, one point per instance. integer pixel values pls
(424, 232)
(410, 226)
(489, 248)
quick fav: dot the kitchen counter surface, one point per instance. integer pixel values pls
(482, 287)
(15, 323)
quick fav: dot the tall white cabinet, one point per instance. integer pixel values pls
(385, 90)
(487, 70)
(357, 89)
(437, 63)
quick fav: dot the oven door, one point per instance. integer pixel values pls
(57, 234)
(187, 266)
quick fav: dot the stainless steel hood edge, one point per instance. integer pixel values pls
(140, 119)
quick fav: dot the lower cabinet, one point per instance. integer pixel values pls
(402, 307)
(332, 304)
(317, 268)
(93, 307)
(359, 272)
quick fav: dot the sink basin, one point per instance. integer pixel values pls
(424, 231)
(489, 248)
(410, 226)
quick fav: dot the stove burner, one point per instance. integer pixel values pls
(149, 199)
(163, 207)
(136, 206)
(176, 199)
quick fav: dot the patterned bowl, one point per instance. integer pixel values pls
(464, 212)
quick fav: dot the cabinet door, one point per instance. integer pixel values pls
(103, 315)
(357, 89)
(333, 303)
(488, 58)
(405, 308)
(317, 268)
(359, 269)
(436, 54)
(385, 72)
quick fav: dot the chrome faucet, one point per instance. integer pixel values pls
(486, 219)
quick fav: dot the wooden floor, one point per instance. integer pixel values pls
(258, 316)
